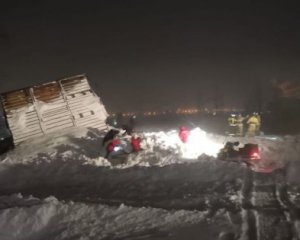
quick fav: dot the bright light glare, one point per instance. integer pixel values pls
(198, 144)
(117, 148)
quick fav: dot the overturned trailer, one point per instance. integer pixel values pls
(38, 110)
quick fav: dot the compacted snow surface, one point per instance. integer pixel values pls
(61, 187)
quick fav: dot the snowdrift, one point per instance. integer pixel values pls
(80, 195)
(52, 219)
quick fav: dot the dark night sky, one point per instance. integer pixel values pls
(151, 54)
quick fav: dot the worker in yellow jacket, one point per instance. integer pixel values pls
(253, 124)
(232, 124)
(259, 124)
(240, 125)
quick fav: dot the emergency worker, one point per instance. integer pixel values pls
(136, 143)
(232, 124)
(111, 146)
(259, 124)
(184, 134)
(253, 123)
(240, 125)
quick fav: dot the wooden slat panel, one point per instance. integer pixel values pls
(52, 107)
(51, 122)
(86, 93)
(28, 131)
(77, 90)
(60, 127)
(27, 116)
(19, 134)
(56, 106)
(67, 82)
(79, 108)
(87, 118)
(57, 100)
(11, 107)
(75, 85)
(28, 124)
(47, 92)
(79, 102)
(21, 94)
(59, 112)
(18, 140)
(15, 100)
(28, 112)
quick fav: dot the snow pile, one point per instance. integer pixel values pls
(166, 174)
(53, 219)
(53, 145)
(165, 148)
(17, 200)
(85, 145)
(159, 149)
(198, 143)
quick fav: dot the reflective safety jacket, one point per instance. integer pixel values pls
(253, 120)
(232, 121)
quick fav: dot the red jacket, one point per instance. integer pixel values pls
(184, 134)
(112, 145)
(136, 144)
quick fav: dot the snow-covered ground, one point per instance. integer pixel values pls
(61, 187)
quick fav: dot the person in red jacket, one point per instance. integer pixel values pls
(110, 147)
(184, 134)
(136, 143)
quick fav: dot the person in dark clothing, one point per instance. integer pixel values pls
(128, 130)
(109, 136)
(132, 121)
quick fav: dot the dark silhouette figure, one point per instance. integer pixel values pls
(109, 136)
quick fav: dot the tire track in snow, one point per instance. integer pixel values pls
(249, 223)
(270, 218)
(267, 212)
(291, 211)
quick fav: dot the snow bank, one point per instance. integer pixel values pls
(199, 143)
(165, 172)
(160, 149)
(53, 219)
